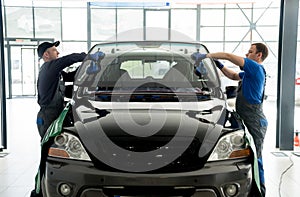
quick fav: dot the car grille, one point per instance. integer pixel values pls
(149, 192)
(187, 161)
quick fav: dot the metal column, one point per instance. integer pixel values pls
(3, 131)
(286, 74)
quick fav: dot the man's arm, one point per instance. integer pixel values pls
(68, 60)
(237, 60)
(230, 73)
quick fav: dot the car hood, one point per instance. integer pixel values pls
(135, 136)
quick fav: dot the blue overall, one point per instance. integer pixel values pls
(250, 108)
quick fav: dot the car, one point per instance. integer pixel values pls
(146, 118)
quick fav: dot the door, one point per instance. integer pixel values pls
(22, 66)
(23, 71)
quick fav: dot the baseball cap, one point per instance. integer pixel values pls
(44, 46)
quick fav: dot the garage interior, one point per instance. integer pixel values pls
(220, 25)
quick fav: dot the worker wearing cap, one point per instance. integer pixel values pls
(49, 85)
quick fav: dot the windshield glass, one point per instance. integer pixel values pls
(148, 66)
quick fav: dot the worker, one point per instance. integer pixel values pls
(50, 86)
(250, 94)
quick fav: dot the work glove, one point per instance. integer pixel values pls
(95, 66)
(200, 69)
(197, 57)
(219, 64)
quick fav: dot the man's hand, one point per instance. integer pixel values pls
(198, 66)
(197, 57)
(95, 66)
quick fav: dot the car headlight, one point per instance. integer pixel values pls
(68, 146)
(231, 146)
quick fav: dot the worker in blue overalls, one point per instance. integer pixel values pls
(250, 93)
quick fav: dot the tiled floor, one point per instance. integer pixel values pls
(18, 168)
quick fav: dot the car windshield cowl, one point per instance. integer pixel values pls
(147, 95)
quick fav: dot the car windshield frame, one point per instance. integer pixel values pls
(159, 55)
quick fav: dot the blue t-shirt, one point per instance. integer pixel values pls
(253, 81)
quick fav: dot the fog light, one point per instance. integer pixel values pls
(65, 189)
(231, 190)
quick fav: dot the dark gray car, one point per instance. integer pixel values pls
(147, 119)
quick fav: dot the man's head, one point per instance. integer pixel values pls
(48, 50)
(258, 52)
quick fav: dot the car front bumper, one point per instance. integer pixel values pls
(82, 179)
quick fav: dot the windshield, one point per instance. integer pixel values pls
(147, 67)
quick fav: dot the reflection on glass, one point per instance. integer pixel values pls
(47, 23)
(103, 23)
(19, 22)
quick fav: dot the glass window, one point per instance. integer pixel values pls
(127, 20)
(184, 21)
(238, 48)
(212, 17)
(265, 33)
(211, 34)
(103, 24)
(264, 4)
(79, 4)
(47, 23)
(74, 24)
(273, 51)
(19, 22)
(138, 69)
(67, 48)
(237, 34)
(270, 17)
(237, 17)
(17, 2)
(212, 6)
(157, 19)
(214, 47)
(47, 3)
